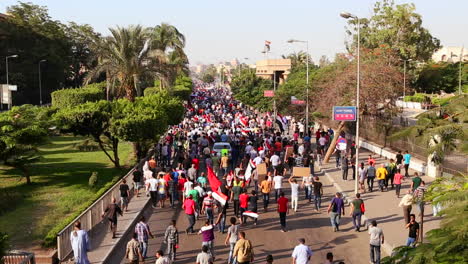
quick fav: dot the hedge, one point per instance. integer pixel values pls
(73, 97)
(50, 240)
(417, 97)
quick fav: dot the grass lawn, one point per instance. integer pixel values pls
(60, 183)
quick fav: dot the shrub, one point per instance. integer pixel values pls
(150, 91)
(73, 97)
(182, 92)
(417, 97)
(93, 179)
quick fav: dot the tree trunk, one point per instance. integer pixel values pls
(421, 227)
(115, 161)
(25, 172)
(333, 143)
(136, 150)
(115, 149)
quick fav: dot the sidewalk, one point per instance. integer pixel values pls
(382, 206)
(102, 244)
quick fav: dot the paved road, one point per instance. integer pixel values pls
(347, 245)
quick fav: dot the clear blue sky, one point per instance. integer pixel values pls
(223, 30)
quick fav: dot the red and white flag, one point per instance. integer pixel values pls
(251, 214)
(220, 197)
(267, 45)
(250, 169)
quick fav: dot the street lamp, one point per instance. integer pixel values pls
(6, 62)
(307, 80)
(347, 15)
(404, 77)
(40, 83)
(460, 61)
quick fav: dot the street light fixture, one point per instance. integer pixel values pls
(347, 15)
(307, 80)
(7, 81)
(40, 82)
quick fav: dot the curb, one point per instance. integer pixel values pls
(346, 196)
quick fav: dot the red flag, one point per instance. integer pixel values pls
(214, 182)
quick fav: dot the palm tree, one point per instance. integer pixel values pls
(167, 49)
(122, 57)
(297, 59)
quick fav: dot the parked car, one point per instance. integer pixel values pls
(218, 146)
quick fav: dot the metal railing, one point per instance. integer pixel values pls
(92, 216)
(18, 257)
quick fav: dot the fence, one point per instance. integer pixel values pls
(17, 257)
(92, 216)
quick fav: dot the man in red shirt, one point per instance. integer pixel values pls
(196, 162)
(243, 204)
(283, 209)
(189, 207)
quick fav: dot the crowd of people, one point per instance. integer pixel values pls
(211, 164)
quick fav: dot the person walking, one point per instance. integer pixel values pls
(137, 179)
(265, 188)
(345, 167)
(381, 176)
(133, 251)
(231, 238)
(204, 257)
(419, 197)
(397, 179)
(336, 209)
(329, 258)
(236, 191)
(243, 205)
(80, 244)
(307, 185)
(406, 203)
(278, 185)
(357, 206)
(124, 195)
(152, 188)
(415, 182)
(406, 162)
(318, 193)
(143, 231)
(207, 232)
(301, 253)
(294, 193)
(376, 240)
(171, 238)
(371, 172)
(413, 234)
(243, 250)
(161, 259)
(283, 210)
(162, 190)
(111, 212)
(189, 207)
(208, 206)
(362, 177)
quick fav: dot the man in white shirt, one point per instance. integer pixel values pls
(278, 185)
(275, 160)
(301, 253)
(294, 192)
(152, 188)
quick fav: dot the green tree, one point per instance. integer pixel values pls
(209, 74)
(93, 119)
(446, 244)
(298, 59)
(248, 88)
(4, 245)
(397, 26)
(437, 77)
(33, 35)
(20, 134)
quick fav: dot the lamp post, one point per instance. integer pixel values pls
(404, 77)
(347, 15)
(307, 80)
(40, 82)
(1, 93)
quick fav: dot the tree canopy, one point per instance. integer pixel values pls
(398, 27)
